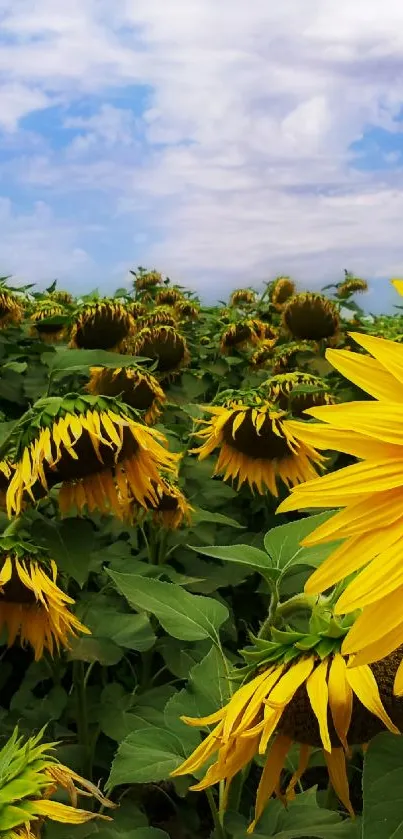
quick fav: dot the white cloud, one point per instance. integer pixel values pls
(240, 162)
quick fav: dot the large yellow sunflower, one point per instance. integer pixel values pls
(311, 317)
(30, 776)
(41, 328)
(94, 447)
(32, 606)
(102, 325)
(165, 346)
(256, 445)
(134, 386)
(302, 692)
(370, 494)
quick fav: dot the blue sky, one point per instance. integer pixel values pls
(222, 143)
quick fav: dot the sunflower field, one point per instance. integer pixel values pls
(201, 584)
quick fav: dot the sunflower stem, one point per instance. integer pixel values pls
(82, 716)
(264, 631)
(219, 829)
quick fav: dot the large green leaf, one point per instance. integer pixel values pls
(283, 543)
(208, 689)
(188, 617)
(150, 755)
(69, 542)
(382, 816)
(241, 554)
(74, 360)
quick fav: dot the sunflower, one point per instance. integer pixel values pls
(5, 476)
(186, 310)
(63, 297)
(286, 357)
(296, 392)
(301, 691)
(134, 386)
(101, 325)
(352, 285)
(41, 328)
(311, 316)
(282, 289)
(29, 777)
(255, 444)
(241, 334)
(370, 493)
(137, 309)
(168, 296)
(163, 345)
(145, 280)
(94, 447)
(263, 354)
(11, 311)
(172, 508)
(243, 296)
(160, 316)
(32, 606)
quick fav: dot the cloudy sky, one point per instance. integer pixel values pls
(220, 141)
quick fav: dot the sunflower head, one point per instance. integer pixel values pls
(63, 297)
(160, 316)
(311, 317)
(297, 392)
(298, 687)
(241, 334)
(172, 508)
(30, 775)
(205, 340)
(11, 309)
(41, 319)
(134, 386)
(282, 289)
(95, 447)
(286, 357)
(243, 297)
(101, 325)
(255, 444)
(165, 346)
(168, 296)
(263, 354)
(137, 309)
(146, 280)
(186, 310)
(351, 285)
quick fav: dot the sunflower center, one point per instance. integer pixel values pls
(101, 330)
(311, 319)
(87, 463)
(167, 349)
(264, 445)
(240, 334)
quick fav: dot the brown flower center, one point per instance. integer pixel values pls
(266, 445)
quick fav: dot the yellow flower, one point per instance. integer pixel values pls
(283, 288)
(63, 297)
(50, 333)
(29, 777)
(286, 390)
(256, 446)
(11, 311)
(92, 446)
(135, 387)
(314, 701)
(146, 279)
(172, 508)
(241, 334)
(161, 315)
(168, 296)
(101, 325)
(137, 309)
(242, 296)
(263, 354)
(370, 494)
(32, 607)
(163, 345)
(186, 310)
(311, 317)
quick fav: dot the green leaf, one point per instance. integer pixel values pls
(95, 649)
(208, 689)
(200, 515)
(242, 554)
(149, 755)
(69, 542)
(283, 543)
(382, 783)
(188, 617)
(74, 360)
(303, 819)
(105, 618)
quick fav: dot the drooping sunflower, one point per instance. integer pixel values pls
(186, 310)
(134, 386)
(168, 296)
(286, 357)
(95, 447)
(102, 325)
(263, 354)
(30, 775)
(137, 309)
(33, 608)
(41, 328)
(146, 280)
(172, 508)
(301, 691)
(160, 316)
(11, 310)
(296, 392)
(163, 345)
(370, 494)
(352, 285)
(243, 296)
(241, 334)
(283, 288)
(63, 297)
(311, 317)
(255, 444)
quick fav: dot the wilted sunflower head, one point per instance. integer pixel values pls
(241, 334)
(11, 309)
(42, 325)
(263, 354)
(146, 280)
(255, 444)
(63, 297)
(95, 447)
(310, 316)
(134, 387)
(172, 508)
(297, 392)
(30, 774)
(165, 346)
(282, 289)
(33, 609)
(101, 325)
(137, 309)
(302, 691)
(243, 296)
(186, 310)
(168, 296)
(352, 285)
(160, 316)
(286, 357)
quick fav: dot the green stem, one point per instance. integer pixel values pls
(219, 829)
(82, 716)
(264, 631)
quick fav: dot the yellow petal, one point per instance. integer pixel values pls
(388, 353)
(366, 373)
(362, 681)
(317, 691)
(336, 765)
(304, 755)
(340, 698)
(377, 620)
(284, 690)
(398, 285)
(270, 775)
